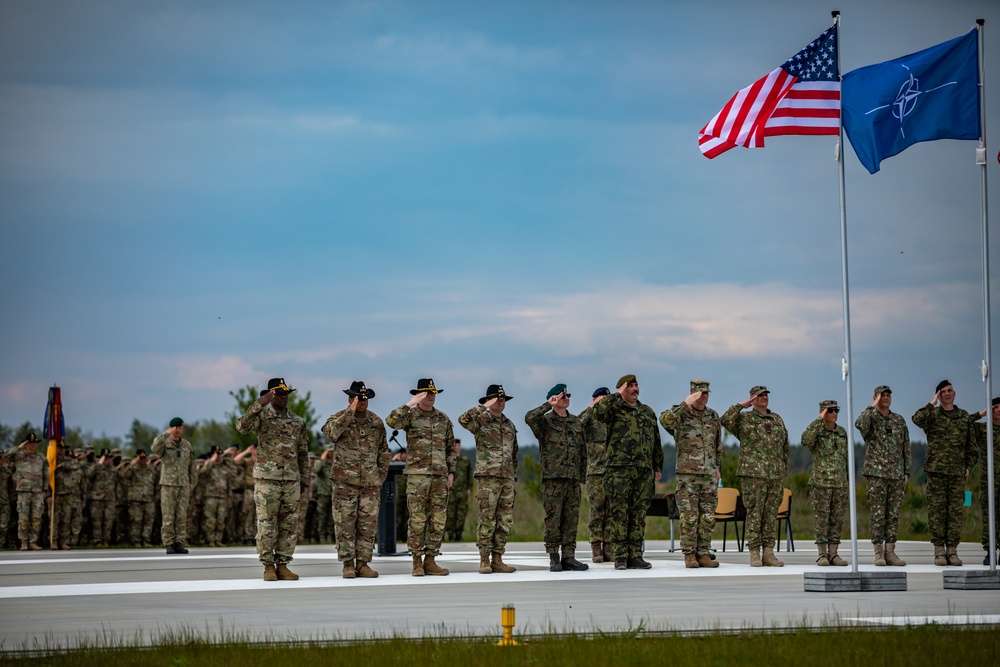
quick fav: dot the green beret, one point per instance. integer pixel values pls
(176, 421)
(556, 390)
(625, 379)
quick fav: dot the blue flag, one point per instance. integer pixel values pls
(928, 95)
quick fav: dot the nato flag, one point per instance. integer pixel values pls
(928, 95)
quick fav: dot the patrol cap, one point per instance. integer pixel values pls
(942, 384)
(78, 451)
(601, 391)
(828, 405)
(116, 451)
(759, 389)
(625, 379)
(176, 421)
(556, 390)
(699, 385)
(882, 389)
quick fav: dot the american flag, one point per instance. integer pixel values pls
(800, 97)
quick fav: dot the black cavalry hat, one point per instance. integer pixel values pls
(359, 389)
(278, 384)
(495, 391)
(425, 384)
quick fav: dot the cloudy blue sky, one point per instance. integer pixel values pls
(196, 196)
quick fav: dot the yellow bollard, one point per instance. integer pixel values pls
(507, 621)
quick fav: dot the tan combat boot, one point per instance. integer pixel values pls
(823, 559)
(939, 558)
(768, 560)
(284, 574)
(497, 564)
(691, 560)
(755, 557)
(64, 547)
(834, 558)
(349, 571)
(890, 555)
(484, 562)
(704, 560)
(418, 566)
(269, 573)
(879, 555)
(606, 551)
(596, 553)
(366, 572)
(432, 568)
(34, 547)
(952, 554)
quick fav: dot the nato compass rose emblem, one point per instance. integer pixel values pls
(907, 98)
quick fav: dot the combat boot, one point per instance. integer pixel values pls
(484, 563)
(24, 546)
(178, 548)
(890, 555)
(834, 558)
(609, 556)
(418, 566)
(269, 573)
(64, 547)
(366, 572)
(595, 552)
(34, 547)
(755, 557)
(952, 555)
(880, 555)
(497, 565)
(705, 560)
(349, 571)
(555, 565)
(284, 574)
(768, 559)
(433, 569)
(621, 564)
(824, 558)
(691, 560)
(939, 558)
(569, 562)
(638, 564)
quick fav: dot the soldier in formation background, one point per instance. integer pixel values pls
(177, 476)
(827, 441)
(598, 523)
(30, 472)
(458, 495)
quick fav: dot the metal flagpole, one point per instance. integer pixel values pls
(987, 360)
(846, 366)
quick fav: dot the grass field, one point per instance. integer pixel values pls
(909, 647)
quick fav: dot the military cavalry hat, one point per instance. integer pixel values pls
(359, 389)
(425, 384)
(495, 391)
(31, 437)
(278, 384)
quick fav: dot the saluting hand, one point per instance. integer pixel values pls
(266, 398)
(937, 397)
(353, 405)
(490, 403)
(694, 396)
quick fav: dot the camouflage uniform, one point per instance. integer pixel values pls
(698, 436)
(66, 506)
(216, 475)
(305, 500)
(4, 500)
(563, 451)
(951, 451)
(458, 499)
(281, 469)
(140, 479)
(323, 493)
(596, 434)
(249, 504)
(234, 513)
(828, 481)
(430, 458)
(887, 464)
(984, 492)
(196, 507)
(634, 455)
(103, 501)
(762, 469)
(359, 467)
(31, 481)
(177, 474)
(496, 467)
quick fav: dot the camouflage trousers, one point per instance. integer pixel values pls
(174, 506)
(945, 512)
(102, 517)
(324, 518)
(495, 498)
(829, 506)
(300, 527)
(234, 517)
(214, 519)
(984, 495)
(762, 498)
(140, 516)
(597, 522)
(697, 497)
(67, 519)
(29, 515)
(458, 510)
(4, 513)
(427, 504)
(249, 515)
(355, 517)
(885, 497)
(628, 490)
(277, 503)
(561, 501)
